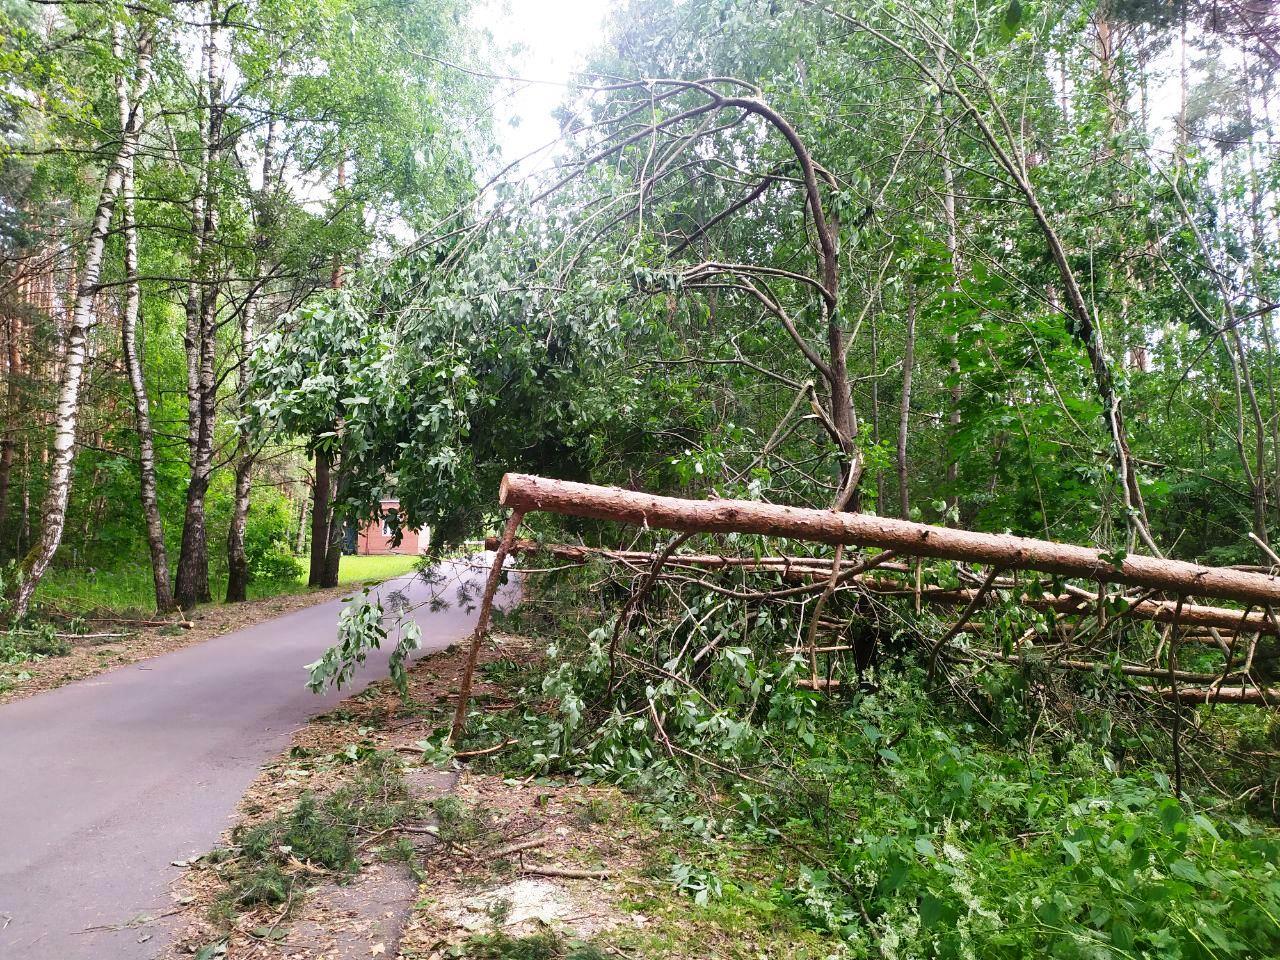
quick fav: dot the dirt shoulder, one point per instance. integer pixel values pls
(113, 644)
(468, 863)
(333, 752)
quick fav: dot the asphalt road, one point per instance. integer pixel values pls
(104, 783)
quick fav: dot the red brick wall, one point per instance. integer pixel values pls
(372, 539)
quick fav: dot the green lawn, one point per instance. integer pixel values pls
(129, 591)
(360, 569)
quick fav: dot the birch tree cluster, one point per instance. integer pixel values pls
(175, 178)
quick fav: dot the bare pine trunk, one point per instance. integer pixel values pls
(24, 522)
(67, 411)
(14, 375)
(526, 494)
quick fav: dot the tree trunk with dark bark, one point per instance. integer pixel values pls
(237, 556)
(14, 375)
(192, 585)
(321, 491)
(333, 553)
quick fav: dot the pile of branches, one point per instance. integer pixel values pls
(1083, 628)
(1068, 627)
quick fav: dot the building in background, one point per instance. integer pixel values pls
(376, 535)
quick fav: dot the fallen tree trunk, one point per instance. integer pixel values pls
(576, 553)
(1161, 611)
(1257, 696)
(525, 493)
(1092, 666)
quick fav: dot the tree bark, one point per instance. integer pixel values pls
(67, 411)
(192, 584)
(904, 410)
(953, 254)
(333, 555)
(816, 568)
(527, 493)
(482, 623)
(237, 556)
(331, 558)
(321, 491)
(14, 376)
(132, 356)
(1256, 696)
(337, 528)
(1160, 611)
(301, 543)
(874, 333)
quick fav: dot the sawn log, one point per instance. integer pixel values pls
(525, 493)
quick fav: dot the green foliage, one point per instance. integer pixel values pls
(444, 379)
(271, 559)
(460, 823)
(361, 629)
(32, 643)
(901, 825)
(696, 882)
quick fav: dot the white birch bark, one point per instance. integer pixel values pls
(83, 318)
(132, 355)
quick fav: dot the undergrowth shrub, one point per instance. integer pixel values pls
(32, 643)
(908, 824)
(269, 556)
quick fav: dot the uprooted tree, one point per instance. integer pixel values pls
(524, 494)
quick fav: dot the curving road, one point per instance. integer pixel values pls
(106, 782)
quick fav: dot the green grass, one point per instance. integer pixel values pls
(129, 590)
(383, 567)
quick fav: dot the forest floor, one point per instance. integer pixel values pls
(119, 635)
(459, 864)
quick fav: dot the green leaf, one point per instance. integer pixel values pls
(1012, 17)
(1188, 871)
(931, 910)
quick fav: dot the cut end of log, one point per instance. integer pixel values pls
(502, 489)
